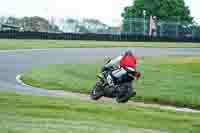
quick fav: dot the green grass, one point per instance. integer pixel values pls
(166, 80)
(36, 114)
(6, 44)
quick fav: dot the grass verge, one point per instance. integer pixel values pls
(36, 114)
(6, 44)
(166, 80)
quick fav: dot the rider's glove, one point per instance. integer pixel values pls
(138, 75)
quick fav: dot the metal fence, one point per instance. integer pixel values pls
(176, 29)
(132, 29)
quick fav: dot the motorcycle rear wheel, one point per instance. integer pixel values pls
(124, 95)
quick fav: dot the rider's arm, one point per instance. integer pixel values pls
(114, 62)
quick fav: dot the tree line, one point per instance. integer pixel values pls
(39, 24)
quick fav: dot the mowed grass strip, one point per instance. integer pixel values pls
(172, 80)
(11, 44)
(37, 114)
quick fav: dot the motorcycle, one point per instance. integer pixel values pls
(122, 89)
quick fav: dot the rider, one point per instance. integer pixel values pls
(123, 64)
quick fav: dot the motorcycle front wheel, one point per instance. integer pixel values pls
(97, 91)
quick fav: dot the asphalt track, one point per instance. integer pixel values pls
(15, 62)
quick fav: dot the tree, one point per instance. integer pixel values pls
(82, 28)
(3, 19)
(69, 25)
(94, 25)
(84, 25)
(166, 10)
(52, 25)
(36, 24)
(12, 21)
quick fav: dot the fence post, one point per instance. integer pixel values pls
(160, 29)
(177, 24)
(193, 33)
(130, 25)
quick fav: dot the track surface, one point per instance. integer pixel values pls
(15, 62)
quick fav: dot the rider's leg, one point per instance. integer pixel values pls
(133, 92)
(119, 74)
(116, 76)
